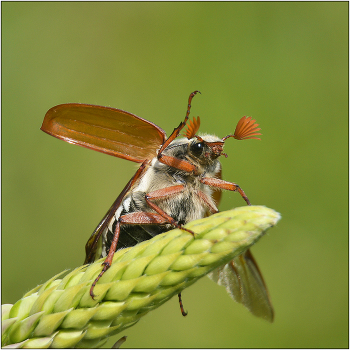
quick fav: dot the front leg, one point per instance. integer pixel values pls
(178, 163)
(172, 161)
(177, 130)
(225, 185)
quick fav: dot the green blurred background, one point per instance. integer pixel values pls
(285, 64)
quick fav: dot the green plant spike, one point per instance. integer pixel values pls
(61, 313)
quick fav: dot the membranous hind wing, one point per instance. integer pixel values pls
(105, 129)
(244, 283)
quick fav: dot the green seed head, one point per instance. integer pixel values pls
(61, 313)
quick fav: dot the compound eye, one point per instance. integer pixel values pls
(197, 148)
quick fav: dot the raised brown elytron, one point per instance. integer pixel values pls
(179, 180)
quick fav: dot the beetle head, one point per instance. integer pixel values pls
(246, 129)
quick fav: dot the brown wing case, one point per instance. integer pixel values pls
(105, 129)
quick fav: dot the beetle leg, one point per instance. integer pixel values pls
(184, 313)
(177, 131)
(138, 218)
(107, 263)
(177, 163)
(207, 201)
(225, 185)
(172, 161)
(164, 193)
